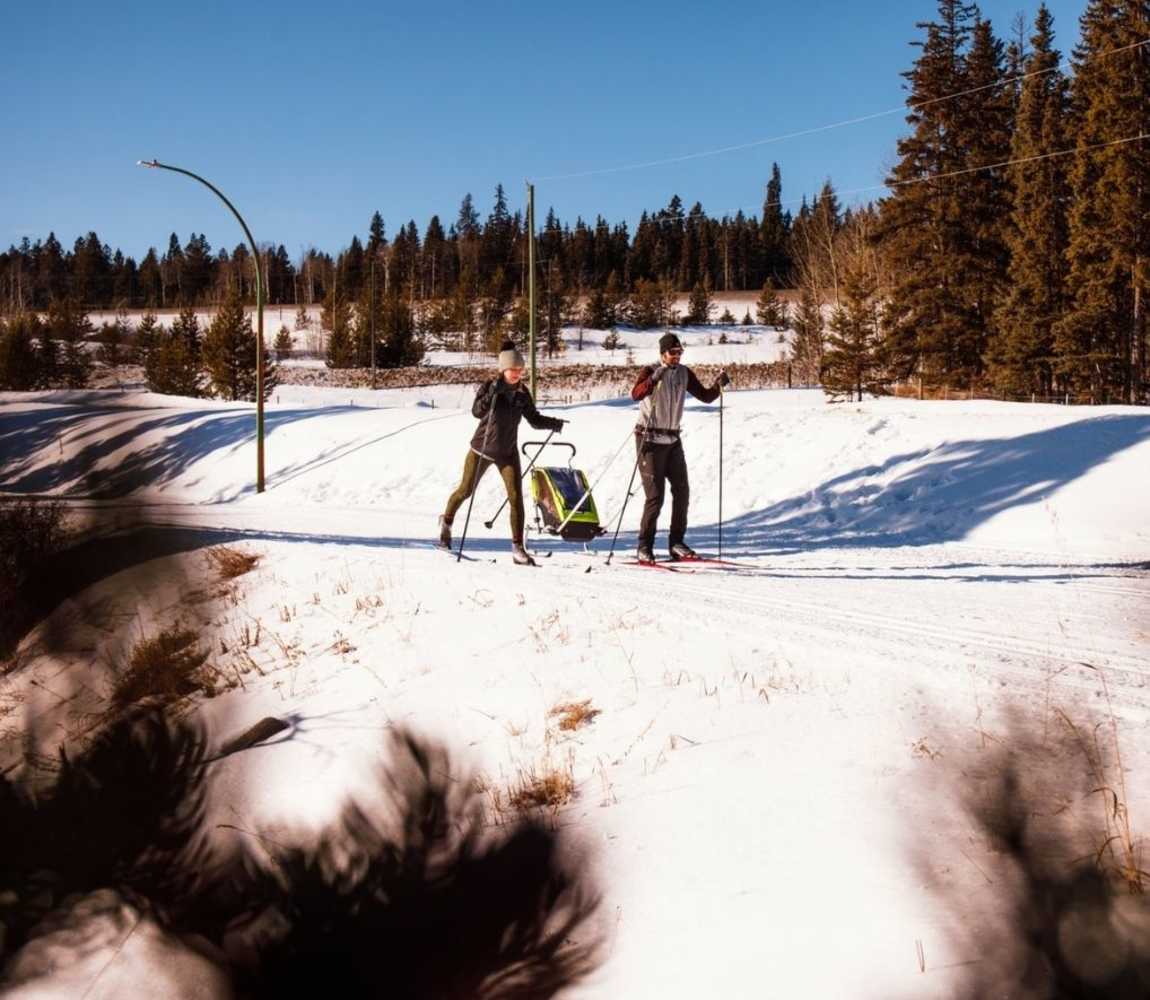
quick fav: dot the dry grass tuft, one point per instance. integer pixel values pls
(231, 563)
(573, 714)
(167, 666)
(548, 788)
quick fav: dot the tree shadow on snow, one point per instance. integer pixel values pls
(186, 438)
(930, 496)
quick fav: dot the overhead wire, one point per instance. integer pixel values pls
(912, 105)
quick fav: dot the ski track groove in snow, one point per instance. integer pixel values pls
(1027, 659)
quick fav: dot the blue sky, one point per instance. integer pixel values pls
(311, 116)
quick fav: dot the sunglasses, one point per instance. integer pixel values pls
(675, 351)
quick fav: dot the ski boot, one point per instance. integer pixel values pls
(520, 556)
(444, 533)
(680, 550)
(644, 554)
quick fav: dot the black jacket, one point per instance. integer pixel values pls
(497, 436)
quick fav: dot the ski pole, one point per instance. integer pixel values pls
(630, 487)
(488, 524)
(622, 510)
(721, 394)
(590, 489)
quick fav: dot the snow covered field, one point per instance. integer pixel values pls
(777, 746)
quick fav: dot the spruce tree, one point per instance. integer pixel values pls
(146, 337)
(302, 320)
(769, 308)
(336, 320)
(68, 324)
(701, 303)
(1101, 341)
(1021, 354)
(170, 368)
(283, 344)
(931, 321)
(230, 355)
(747, 320)
(851, 362)
(19, 359)
(807, 342)
(187, 326)
(401, 345)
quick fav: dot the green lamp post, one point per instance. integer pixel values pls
(259, 312)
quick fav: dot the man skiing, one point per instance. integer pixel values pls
(499, 404)
(662, 390)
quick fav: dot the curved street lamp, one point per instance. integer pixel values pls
(259, 312)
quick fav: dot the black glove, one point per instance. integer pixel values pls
(724, 379)
(559, 424)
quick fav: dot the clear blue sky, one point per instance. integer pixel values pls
(311, 116)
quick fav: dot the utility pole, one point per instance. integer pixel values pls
(372, 310)
(531, 280)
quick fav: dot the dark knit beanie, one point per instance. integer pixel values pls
(667, 342)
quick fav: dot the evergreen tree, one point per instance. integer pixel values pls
(701, 304)
(187, 327)
(747, 321)
(774, 231)
(230, 355)
(336, 320)
(1020, 357)
(302, 320)
(807, 343)
(728, 318)
(111, 339)
(19, 359)
(401, 345)
(769, 308)
(146, 337)
(596, 312)
(283, 344)
(851, 361)
(68, 324)
(170, 368)
(1101, 340)
(930, 320)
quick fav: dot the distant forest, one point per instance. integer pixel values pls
(1012, 253)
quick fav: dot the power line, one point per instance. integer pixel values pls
(968, 170)
(912, 105)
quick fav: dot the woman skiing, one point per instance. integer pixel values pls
(499, 404)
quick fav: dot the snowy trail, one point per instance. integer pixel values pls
(766, 736)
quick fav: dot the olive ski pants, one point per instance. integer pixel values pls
(473, 470)
(658, 465)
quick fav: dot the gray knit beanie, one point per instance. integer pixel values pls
(509, 357)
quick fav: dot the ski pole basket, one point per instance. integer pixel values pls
(556, 491)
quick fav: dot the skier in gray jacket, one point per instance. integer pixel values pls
(662, 390)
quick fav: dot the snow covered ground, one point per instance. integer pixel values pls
(777, 746)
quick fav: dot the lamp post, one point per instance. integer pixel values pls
(259, 311)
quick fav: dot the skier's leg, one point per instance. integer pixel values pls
(680, 493)
(511, 480)
(652, 462)
(473, 469)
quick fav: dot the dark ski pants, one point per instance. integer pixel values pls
(658, 465)
(473, 470)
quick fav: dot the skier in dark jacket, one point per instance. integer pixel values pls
(499, 404)
(662, 390)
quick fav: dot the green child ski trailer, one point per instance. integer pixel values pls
(564, 505)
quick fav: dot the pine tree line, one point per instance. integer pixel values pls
(182, 360)
(472, 259)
